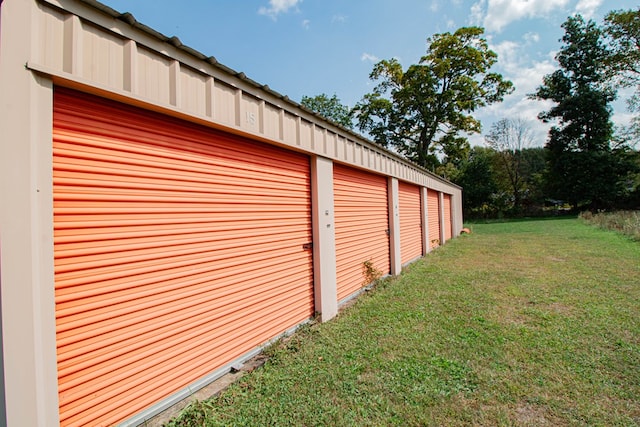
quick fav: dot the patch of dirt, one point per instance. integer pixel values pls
(531, 415)
(560, 308)
(511, 315)
(254, 363)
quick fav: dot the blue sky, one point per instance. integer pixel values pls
(308, 47)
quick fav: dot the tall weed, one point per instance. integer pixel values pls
(625, 222)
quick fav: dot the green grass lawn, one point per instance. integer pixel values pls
(520, 323)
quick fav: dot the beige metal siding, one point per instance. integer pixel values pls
(97, 49)
(177, 250)
(362, 223)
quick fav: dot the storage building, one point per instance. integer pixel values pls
(163, 217)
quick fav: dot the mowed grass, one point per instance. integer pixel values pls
(526, 323)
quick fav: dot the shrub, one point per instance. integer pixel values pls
(625, 222)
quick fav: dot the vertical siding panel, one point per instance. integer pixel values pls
(362, 221)
(224, 103)
(410, 222)
(153, 76)
(177, 250)
(271, 122)
(103, 57)
(193, 94)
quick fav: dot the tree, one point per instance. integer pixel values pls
(509, 137)
(487, 190)
(422, 111)
(534, 166)
(582, 168)
(329, 108)
(623, 29)
(477, 180)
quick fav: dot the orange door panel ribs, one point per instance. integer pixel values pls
(178, 249)
(410, 222)
(362, 226)
(433, 208)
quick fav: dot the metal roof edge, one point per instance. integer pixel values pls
(174, 41)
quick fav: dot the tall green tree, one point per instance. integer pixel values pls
(487, 190)
(582, 167)
(330, 108)
(534, 166)
(478, 183)
(424, 111)
(623, 29)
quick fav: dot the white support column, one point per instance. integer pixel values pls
(26, 225)
(456, 213)
(394, 225)
(324, 238)
(441, 217)
(425, 220)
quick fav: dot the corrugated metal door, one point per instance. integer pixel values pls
(410, 222)
(362, 223)
(447, 217)
(177, 250)
(433, 208)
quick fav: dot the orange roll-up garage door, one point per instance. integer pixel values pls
(362, 223)
(433, 208)
(410, 222)
(177, 250)
(447, 217)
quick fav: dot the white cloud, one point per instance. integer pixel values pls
(515, 107)
(518, 67)
(306, 24)
(434, 6)
(477, 12)
(526, 74)
(369, 57)
(277, 7)
(587, 8)
(531, 38)
(528, 79)
(621, 114)
(518, 105)
(494, 15)
(339, 19)
(507, 51)
(622, 118)
(451, 24)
